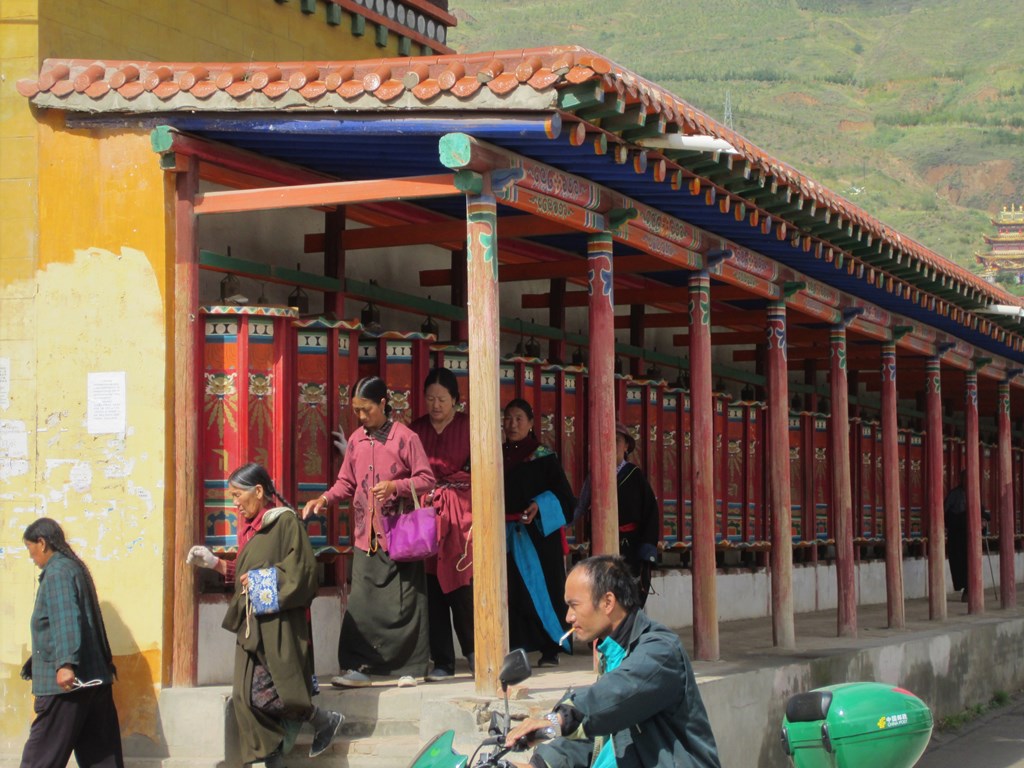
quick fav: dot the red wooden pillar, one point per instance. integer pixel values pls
(975, 584)
(490, 585)
(182, 669)
(1007, 577)
(842, 494)
(934, 496)
(705, 595)
(783, 628)
(601, 397)
(896, 611)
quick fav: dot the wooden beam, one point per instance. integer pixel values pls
(442, 233)
(657, 320)
(549, 270)
(330, 193)
(624, 296)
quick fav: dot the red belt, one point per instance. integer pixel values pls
(628, 527)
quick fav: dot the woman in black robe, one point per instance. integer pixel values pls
(273, 680)
(538, 503)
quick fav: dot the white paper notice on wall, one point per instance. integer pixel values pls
(5, 383)
(107, 403)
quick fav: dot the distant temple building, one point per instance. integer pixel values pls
(1006, 247)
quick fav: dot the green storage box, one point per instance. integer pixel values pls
(854, 725)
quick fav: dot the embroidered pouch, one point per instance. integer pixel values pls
(263, 591)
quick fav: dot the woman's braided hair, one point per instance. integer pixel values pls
(252, 474)
(49, 531)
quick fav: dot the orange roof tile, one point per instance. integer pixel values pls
(529, 79)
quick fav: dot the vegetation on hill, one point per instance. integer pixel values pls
(911, 109)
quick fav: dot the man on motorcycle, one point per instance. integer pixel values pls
(645, 708)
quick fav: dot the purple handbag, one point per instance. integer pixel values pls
(411, 535)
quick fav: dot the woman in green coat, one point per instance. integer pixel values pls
(273, 681)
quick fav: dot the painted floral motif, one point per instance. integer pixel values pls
(261, 392)
(311, 421)
(838, 352)
(221, 405)
(400, 407)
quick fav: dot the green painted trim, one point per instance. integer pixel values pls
(381, 36)
(455, 150)
(649, 130)
(161, 138)
(470, 182)
(256, 270)
(333, 14)
(358, 25)
(168, 161)
(580, 96)
(307, 6)
(404, 46)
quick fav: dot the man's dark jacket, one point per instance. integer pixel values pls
(650, 704)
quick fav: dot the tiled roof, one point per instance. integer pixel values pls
(565, 79)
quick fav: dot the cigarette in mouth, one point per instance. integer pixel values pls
(564, 637)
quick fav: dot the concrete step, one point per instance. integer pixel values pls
(384, 725)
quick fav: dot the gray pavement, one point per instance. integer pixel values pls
(993, 740)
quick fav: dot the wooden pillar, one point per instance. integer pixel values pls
(187, 327)
(937, 609)
(459, 328)
(783, 628)
(556, 319)
(1007, 577)
(334, 260)
(842, 493)
(490, 585)
(702, 565)
(972, 446)
(896, 610)
(636, 338)
(601, 397)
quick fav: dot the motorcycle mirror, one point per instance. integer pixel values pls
(514, 669)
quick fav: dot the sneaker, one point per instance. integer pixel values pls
(548, 660)
(438, 674)
(322, 738)
(407, 681)
(351, 679)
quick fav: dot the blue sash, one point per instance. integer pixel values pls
(524, 554)
(549, 513)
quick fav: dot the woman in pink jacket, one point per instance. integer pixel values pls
(384, 631)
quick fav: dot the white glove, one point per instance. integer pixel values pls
(201, 557)
(340, 442)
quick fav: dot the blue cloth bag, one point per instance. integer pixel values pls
(262, 590)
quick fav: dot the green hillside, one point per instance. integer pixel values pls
(911, 109)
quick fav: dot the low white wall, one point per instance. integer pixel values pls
(746, 594)
(742, 594)
(216, 660)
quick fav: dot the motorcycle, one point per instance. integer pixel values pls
(440, 752)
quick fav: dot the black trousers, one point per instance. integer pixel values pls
(445, 611)
(84, 722)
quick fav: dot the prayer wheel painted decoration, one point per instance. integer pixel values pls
(244, 408)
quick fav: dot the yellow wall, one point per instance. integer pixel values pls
(200, 30)
(84, 274)
(98, 306)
